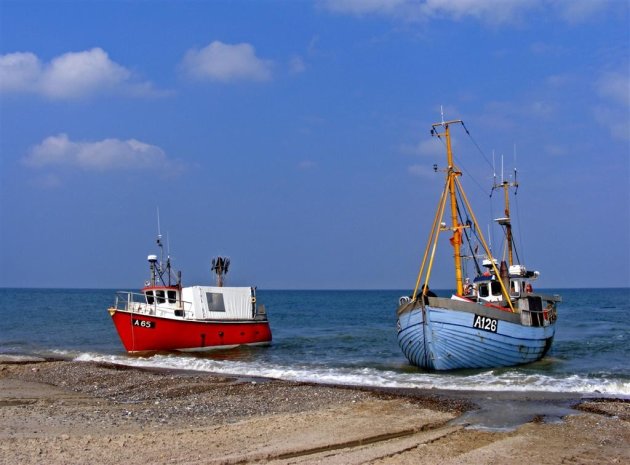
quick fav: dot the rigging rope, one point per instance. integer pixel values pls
(490, 229)
(475, 230)
(476, 145)
(472, 177)
(432, 237)
(520, 235)
(471, 227)
(506, 294)
(460, 166)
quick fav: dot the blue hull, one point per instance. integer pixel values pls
(438, 338)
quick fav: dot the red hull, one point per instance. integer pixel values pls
(142, 333)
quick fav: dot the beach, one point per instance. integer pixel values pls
(67, 412)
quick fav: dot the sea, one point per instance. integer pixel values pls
(335, 337)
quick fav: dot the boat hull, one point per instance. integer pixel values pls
(145, 333)
(436, 337)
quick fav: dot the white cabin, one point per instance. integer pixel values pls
(196, 302)
(220, 303)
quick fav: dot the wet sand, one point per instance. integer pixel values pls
(61, 412)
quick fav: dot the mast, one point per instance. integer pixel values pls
(158, 268)
(451, 175)
(220, 267)
(506, 220)
(452, 187)
(508, 226)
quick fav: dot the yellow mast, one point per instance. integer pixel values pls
(451, 187)
(435, 229)
(508, 224)
(451, 174)
(506, 295)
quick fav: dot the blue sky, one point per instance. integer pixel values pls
(294, 137)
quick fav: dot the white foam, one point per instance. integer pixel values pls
(484, 381)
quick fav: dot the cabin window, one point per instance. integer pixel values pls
(159, 295)
(496, 288)
(150, 298)
(514, 287)
(483, 290)
(215, 302)
(172, 297)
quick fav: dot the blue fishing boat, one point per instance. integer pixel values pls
(494, 318)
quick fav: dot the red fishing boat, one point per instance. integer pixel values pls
(165, 316)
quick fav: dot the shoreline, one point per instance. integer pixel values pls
(454, 394)
(56, 411)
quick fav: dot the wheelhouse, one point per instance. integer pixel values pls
(162, 295)
(489, 289)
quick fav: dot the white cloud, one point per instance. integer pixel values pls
(539, 109)
(427, 147)
(488, 11)
(361, 7)
(108, 154)
(506, 115)
(225, 63)
(559, 80)
(422, 171)
(19, 72)
(419, 10)
(548, 49)
(556, 150)
(614, 120)
(613, 113)
(578, 11)
(72, 75)
(77, 74)
(297, 65)
(615, 87)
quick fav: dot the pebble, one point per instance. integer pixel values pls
(181, 398)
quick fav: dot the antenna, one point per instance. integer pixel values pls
(514, 156)
(494, 176)
(159, 238)
(442, 113)
(489, 240)
(502, 169)
(515, 172)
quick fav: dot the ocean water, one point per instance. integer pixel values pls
(339, 337)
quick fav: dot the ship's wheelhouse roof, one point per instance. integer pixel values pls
(160, 288)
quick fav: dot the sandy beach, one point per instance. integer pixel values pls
(62, 412)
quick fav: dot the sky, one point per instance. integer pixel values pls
(294, 138)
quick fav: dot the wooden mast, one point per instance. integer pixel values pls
(451, 174)
(451, 188)
(507, 221)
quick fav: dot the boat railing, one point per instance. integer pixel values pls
(136, 302)
(537, 311)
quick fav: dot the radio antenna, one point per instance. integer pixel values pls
(515, 172)
(159, 238)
